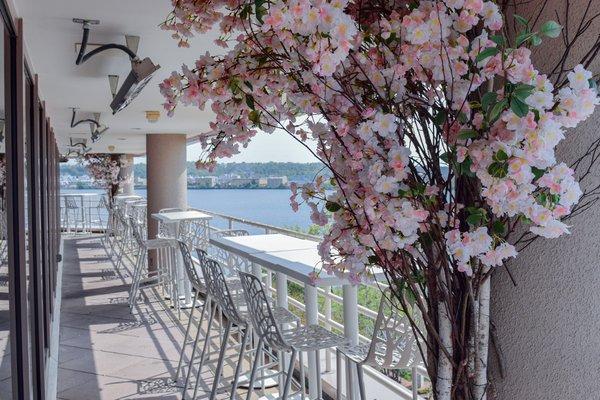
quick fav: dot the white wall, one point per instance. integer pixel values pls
(548, 327)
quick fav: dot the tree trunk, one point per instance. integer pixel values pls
(444, 365)
(482, 339)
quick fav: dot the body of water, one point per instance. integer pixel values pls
(268, 206)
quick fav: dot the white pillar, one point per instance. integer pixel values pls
(312, 318)
(126, 186)
(167, 176)
(547, 327)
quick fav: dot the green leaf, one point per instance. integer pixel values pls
(498, 170)
(537, 172)
(536, 40)
(250, 101)
(445, 157)
(489, 52)
(464, 168)
(497, 109)
(332, 207)
(521, 20)
(440, 118)
(475, 219)
(254, 116)
(551, 29)
(468, 134)
(488, 99)
(498, 228)
(523, 91)
(500, 156)
(246, 11)
(519, 107)
(373, 259)
(523, 37)
(499, 40)
(259, 10)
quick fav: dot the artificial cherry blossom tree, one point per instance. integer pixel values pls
(104, 170)
(438, 132)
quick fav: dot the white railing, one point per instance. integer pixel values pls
(230, 222)
(330, 302)
(223, 222)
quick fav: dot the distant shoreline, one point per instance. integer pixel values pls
(189, 188)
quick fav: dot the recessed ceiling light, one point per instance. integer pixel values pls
(136, 129)
(121, 138)
(152, 116)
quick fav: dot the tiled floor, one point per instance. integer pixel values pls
(105, 351)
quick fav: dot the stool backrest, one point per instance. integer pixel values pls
(102, 203)
(136, 229)
(222, 293)
(394, 345)
(260, 312)
(190, 269)
(70, 202)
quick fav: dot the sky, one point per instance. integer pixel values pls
(277, 147)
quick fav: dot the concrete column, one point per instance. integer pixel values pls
(167, 176)
(126, 186)
(547, 327)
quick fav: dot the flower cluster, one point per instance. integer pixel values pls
(406, 104)
(477, 244)
(104, 169)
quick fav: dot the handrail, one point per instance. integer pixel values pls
(324, 316)
(268, 228)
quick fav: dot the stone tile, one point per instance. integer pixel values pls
(106, 350)
(68, 378)
(6, 388)
(102, 363)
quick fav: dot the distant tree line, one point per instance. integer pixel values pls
(294, 171)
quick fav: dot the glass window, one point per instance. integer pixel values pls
(5, 358)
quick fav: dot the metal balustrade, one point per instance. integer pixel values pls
(222, 222)
(330, 301)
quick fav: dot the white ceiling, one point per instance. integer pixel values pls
(50, 37)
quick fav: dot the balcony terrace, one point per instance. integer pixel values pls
(109, 351)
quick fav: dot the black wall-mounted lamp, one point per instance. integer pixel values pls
(96, 128)
(139, 76)
(78, 145)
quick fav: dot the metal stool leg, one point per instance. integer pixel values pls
(219, 369)
(203, 355)
(349, 388)
(238, 367)
(187, 335)
(319, 381)
(289, 375)
(259, 350)
(361, 381)
(338, 370)
(302, 374)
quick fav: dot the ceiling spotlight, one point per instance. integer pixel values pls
(111, 148)
(136, 81)
(139, 76)
(96, 128)
(152, 116)
(113, 83)
(79, 145)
